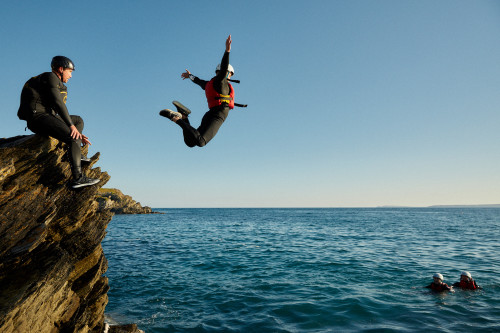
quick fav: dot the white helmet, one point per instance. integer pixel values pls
(439, 276)
(465, 273)
(229, 68)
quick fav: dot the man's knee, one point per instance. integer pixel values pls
(189, 143)
(192, 144)
(78, 122)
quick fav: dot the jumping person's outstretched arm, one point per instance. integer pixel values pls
(228, 44)
(221, 75)
(224, 64)
(187, 75)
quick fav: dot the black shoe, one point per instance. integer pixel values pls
(84, 181)
(86, 160)
(181, 108)
(170, 114)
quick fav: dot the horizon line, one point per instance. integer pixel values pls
(333, 207)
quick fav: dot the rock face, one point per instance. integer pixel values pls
(51, 259)
(119, 203)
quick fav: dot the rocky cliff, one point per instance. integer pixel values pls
(51, 259)
(114, 200)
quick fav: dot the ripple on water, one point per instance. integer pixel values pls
(303, 270)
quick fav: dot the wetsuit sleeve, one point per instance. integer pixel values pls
(224, 65)
(57, 98)
(198, 81)
(221, 85)
(456, 284)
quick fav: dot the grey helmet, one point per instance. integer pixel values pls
(439, 276)
(465, 273)
(62, 61)
(229, 68)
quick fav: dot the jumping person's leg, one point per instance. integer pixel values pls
(210, 124)
(191, 135)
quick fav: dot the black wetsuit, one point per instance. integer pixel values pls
(213, 119)
(43, 106)
(438, 287)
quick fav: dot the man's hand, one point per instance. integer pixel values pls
(85, 140)
(75, 135)
(185, 75)
(228, 44)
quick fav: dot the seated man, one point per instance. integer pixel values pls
(43, 106)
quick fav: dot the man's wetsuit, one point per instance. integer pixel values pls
(213, 119)
(43, 106)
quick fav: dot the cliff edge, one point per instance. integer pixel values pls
(51, 259)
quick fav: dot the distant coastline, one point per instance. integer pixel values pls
(465, 206)
(446, 206)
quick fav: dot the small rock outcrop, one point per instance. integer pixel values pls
(51, 259)
(130, 328)
(119, 203)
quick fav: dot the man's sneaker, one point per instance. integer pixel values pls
(170, 114)
(181, 108)
(84, 181)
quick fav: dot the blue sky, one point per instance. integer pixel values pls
(351, 103)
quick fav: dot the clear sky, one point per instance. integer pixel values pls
(351, 103)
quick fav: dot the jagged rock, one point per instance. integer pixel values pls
(131, 328)
(119, 203)
(51, 259)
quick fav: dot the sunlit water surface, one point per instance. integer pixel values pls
(303, 270)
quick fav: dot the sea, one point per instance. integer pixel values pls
(303, 270)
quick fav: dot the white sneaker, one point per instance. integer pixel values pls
(170, 114)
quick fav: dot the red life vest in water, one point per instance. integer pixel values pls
(216, 99)
(439, 287)
(471, 285)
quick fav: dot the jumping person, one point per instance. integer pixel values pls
(43, 106)
(220, 98)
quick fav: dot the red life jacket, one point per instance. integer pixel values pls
(439, 287)
(468, 285)
(216, 99)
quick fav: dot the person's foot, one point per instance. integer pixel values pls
(181, 108)
(172, 115)
(86, 160)
(84, 181)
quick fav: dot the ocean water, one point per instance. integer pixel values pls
(303, 270)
